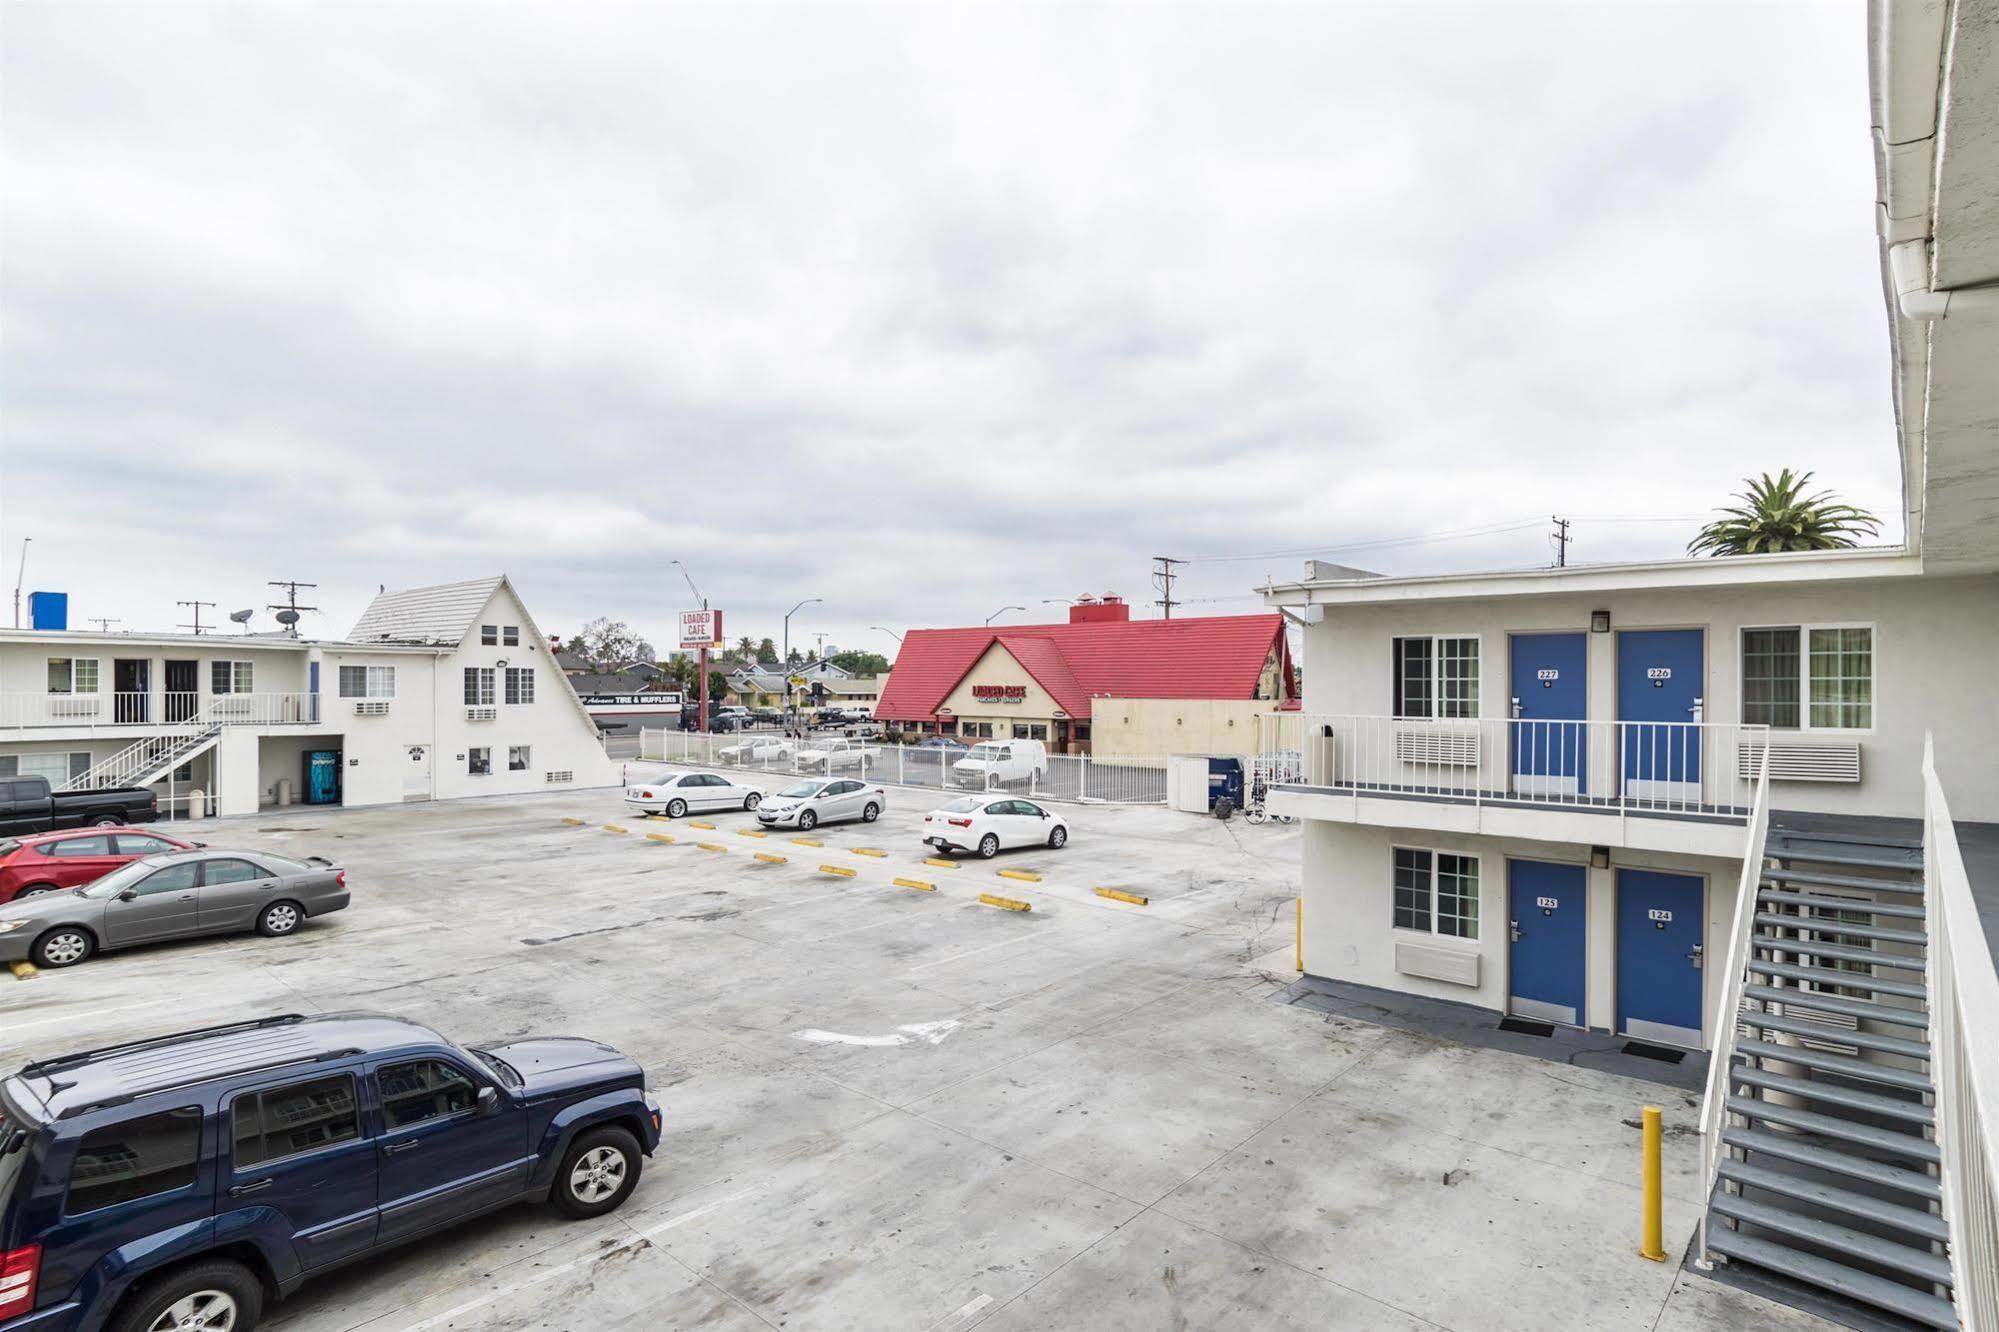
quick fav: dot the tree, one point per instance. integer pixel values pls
(794, 658)
(746, 648)
(1776, 515)
(766, 652)
(860, 663)
(717, 686)
(605, 643)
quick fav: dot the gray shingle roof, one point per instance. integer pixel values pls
(440, 615)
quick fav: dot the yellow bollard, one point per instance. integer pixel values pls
(1654, 1246)
(1298, 937)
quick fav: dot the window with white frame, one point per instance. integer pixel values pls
(57, 767)
(520, 684)
(478, 686)
(1808, 677)
(231, 677)
(489, 634)
(479, 762)
(1436, 892)
(367, 682)
(1436, 676)
(510, 635)
(517, 758)
(72, 675)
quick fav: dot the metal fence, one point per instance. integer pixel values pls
(1077, 777)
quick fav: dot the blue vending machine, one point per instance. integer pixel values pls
(322, 777)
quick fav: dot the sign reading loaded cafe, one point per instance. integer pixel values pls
(995, 693)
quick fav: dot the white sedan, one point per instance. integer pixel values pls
(756, 749)
(675, 794)
(986, 825)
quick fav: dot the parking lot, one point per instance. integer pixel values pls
(895, 1108)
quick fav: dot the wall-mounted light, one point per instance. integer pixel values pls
(1599, 622)
(501, 662)
(1599, 857)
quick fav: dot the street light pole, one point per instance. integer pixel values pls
(1001, 611)
(787, 654)
(701, 717)
(890, 632)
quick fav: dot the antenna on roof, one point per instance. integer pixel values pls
(196, 626)
(289, 612)
(103, 625)
(242, 617)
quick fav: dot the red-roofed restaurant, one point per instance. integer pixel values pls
(1050, 681)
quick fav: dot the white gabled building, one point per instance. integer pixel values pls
(438, 692)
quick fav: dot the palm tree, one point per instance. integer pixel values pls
(1776, 514)
(746, 648)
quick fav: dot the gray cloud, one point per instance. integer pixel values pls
(924, 310)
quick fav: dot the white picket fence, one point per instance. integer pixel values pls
(1072, 777)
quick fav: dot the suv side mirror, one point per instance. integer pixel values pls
(488, 1100)
(129, 895)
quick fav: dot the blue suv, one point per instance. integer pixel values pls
(184, 1182)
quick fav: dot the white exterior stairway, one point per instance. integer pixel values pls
(146, 761)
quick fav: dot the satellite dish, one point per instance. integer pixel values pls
(287, 617)
(242, 616)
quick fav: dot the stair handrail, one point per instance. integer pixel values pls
(118, 764)
(1964, 1059)
(1728, 1003)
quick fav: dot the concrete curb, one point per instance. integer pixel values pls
(711, 846)
(844, 871)
(769, 859)
(870, 851)
(574, 823)
(919, 884)
(940, 864)
(662, 838)
(696, 823)
(1119, 895)
(1025, 876)
(1005, 903)
(615, 828)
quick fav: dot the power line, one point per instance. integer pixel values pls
(1162, 578)
(1492, 529)
(1561, 539)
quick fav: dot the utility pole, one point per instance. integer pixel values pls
(291, 587)
(701, 664)
(1561, 538)
(20, 573)
(196, 626)
(1162, 578)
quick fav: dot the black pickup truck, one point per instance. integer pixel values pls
(27, 805)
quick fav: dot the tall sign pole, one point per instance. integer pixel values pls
(703, 714)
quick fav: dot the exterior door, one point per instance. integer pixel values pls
(1550, 700)
(441, 1158)
(131, 684)
(1661, 929)
(1661, 677)
(167, 906)
(1548, 904)
(416, 773)
(302, 1150)
(183, 690)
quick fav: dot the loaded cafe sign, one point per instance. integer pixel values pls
(999, 693)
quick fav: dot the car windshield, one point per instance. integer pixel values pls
(988, 751)
(118, 880)
(962, 806)
(802, 790)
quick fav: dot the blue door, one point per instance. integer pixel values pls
(1550, 699)
(312, 687)
(1661, 933)
(1661, 677)
(1548, 906)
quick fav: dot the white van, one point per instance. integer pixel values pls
(996, 762)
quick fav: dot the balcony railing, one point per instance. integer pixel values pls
(1694, 769)
(139, 709)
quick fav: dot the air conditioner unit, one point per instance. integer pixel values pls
(1792, 762)
(482, 714)
(560, 775)
(1437, 748)
(371, 707)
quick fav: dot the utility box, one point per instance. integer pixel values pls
(48, 610)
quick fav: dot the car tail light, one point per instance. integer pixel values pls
(18, 1269)
(959, 823)
(340, 878)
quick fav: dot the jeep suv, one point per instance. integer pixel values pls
(187, 1180)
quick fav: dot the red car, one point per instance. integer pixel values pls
(44, 862)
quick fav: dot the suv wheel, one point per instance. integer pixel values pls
(599, 1171)
(676, 808)
(808, 821)
(63, 946)
(989, 845)
(871, 812)
(216, 1295)
(751, 801)
(279, 918)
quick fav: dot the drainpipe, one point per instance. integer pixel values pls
(1909, 265)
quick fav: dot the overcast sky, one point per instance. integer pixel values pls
(925, 310)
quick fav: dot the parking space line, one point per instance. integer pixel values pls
(955, 957)
(13, 1027)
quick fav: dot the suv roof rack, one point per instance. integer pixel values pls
(71, 1111)
(44, 1067)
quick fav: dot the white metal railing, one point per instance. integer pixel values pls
(166, 746)
(1077, 777)
(1964, 1060)
(1728, 1000)
(1692, 768)
(174, 708)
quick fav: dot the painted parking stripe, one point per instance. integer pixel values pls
(955, 957)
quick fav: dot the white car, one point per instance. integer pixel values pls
(809, 803)
(756, 749)
(675, 794)
(838, 753)
(992, 763)
(988, 826)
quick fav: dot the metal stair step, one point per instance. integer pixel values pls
(1920, 1224)
(1850, 980)
(1826, 925)
(1906, 1145)
(1778, 897)
(1822, 1092)
(1792, 1024)
(1885, 1074)
(1786, 834)
(1830, 1274)
(1859, 856)
(1838, 1003)
(1806, 1151)
(1838, 952)
(1918, 1263)
(1860, 883)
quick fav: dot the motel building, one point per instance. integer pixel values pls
(1745, 806)
(1098, 683)
(438, 692)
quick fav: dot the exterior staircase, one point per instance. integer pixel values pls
(1828, 1173)
(147, 761)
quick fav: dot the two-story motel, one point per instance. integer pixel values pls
(438, 692)
(1743, 805)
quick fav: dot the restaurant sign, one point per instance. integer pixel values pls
(999, 693)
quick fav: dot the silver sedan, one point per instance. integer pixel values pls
(172, 896)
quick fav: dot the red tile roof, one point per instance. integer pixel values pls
(1218, 656)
